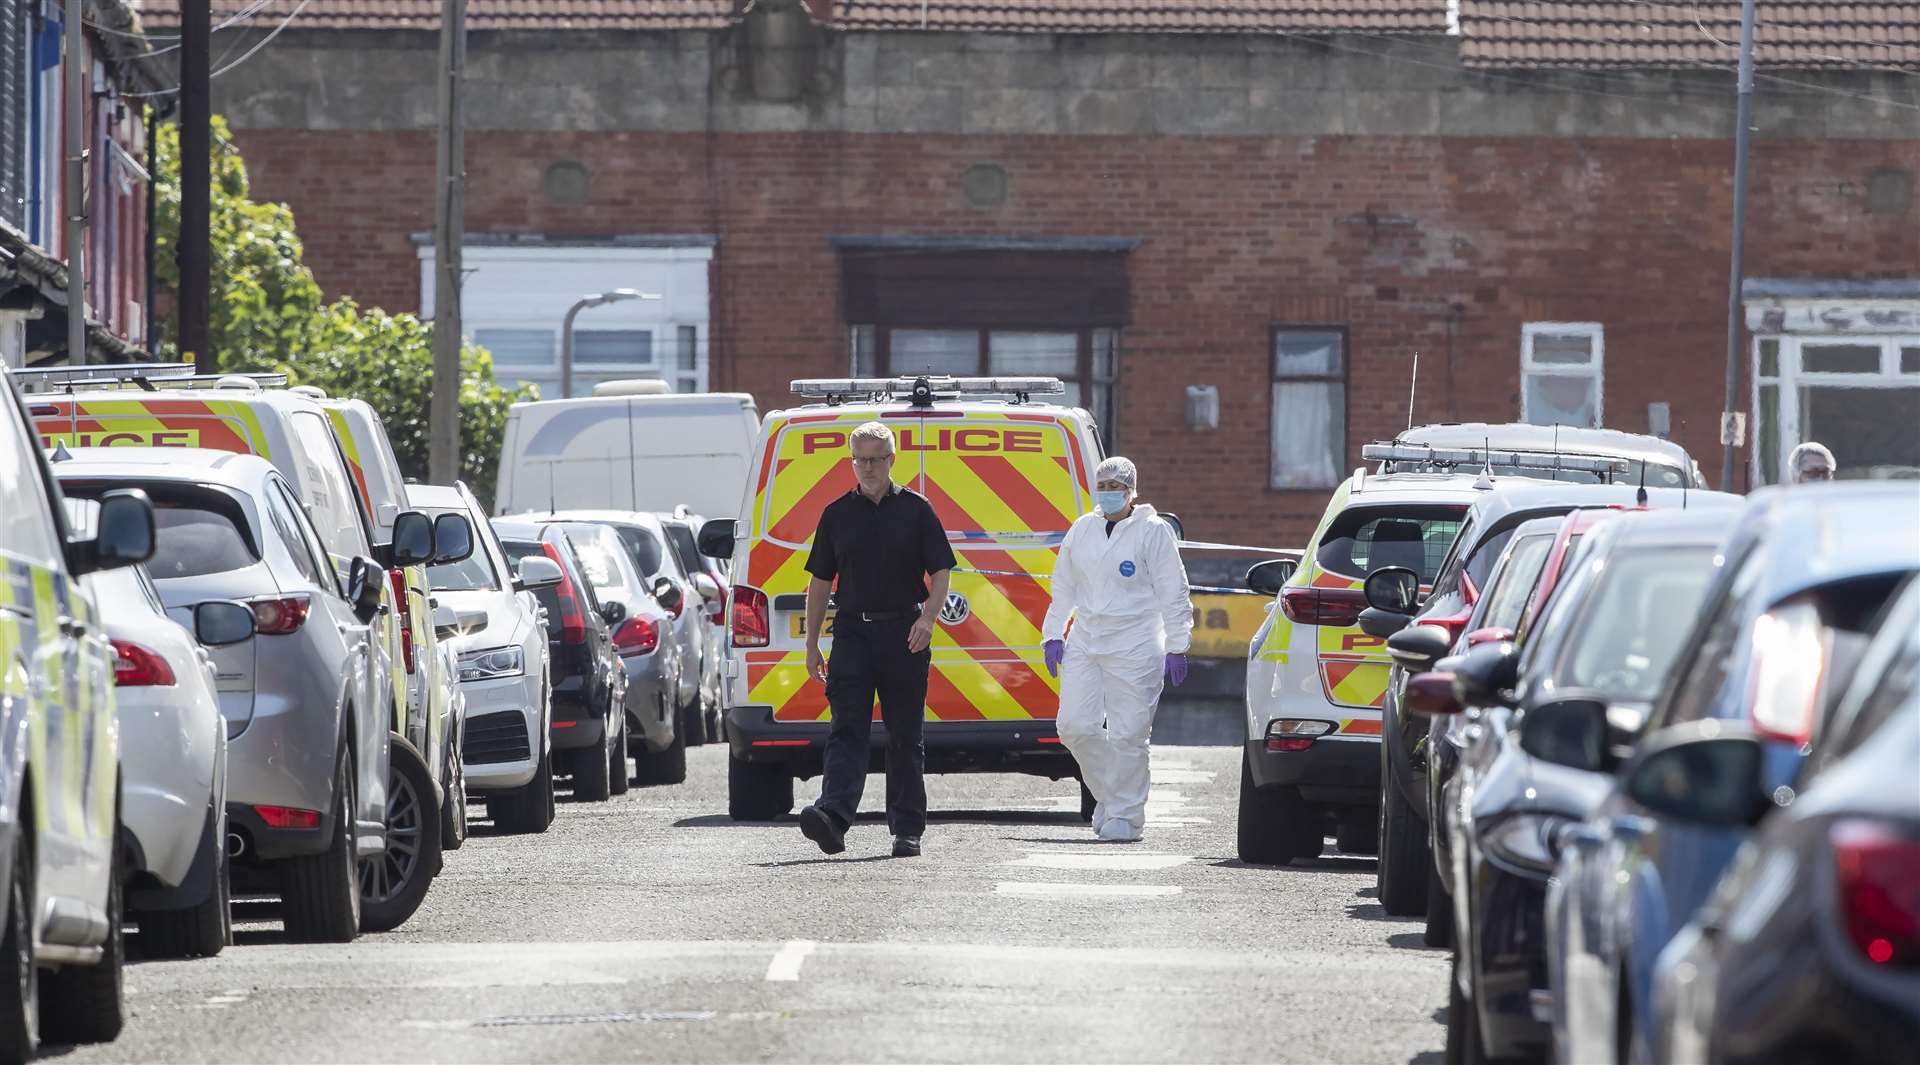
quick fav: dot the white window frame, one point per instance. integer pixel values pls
(1595, 370)
(1791, 378)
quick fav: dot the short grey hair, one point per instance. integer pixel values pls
(871, 431)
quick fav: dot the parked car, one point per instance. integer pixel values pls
(587, 688)
(630, 450)
(1419, 640)
(59, 978)
(306, 701)
(1523, 449)
(1807, 572)
(1809, 948)
(686, 646)
(506, 751)
(173, 759)
(709, 580)
(1609, 633)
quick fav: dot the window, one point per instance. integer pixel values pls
(1560, 373)
(281, 514)
(330, 500)
(1364, 539)
(26, 526)
(1635, 622)
(1309, 408)
(1516, 581)
(1860, 396)
(645, 549)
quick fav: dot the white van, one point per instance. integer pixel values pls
(632, 452)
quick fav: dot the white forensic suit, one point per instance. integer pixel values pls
(1127, 596)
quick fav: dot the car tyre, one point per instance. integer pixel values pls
(395, 882)
(528, 809)
(618, 781)
(692, 722)
(1274, 825)
(199, 931)
(757, 792)
(19, 971)
(1403, 854)
(1439, 930)
(1087, 802)
(592, 781)
(667, 766)
(87, 1003)
(453, 803)
(710, 715)
(1358, 837)
(320, 893)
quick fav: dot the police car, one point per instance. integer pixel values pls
(60, 952)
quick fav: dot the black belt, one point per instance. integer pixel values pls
(879, 615)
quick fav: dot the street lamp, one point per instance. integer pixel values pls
(566, 328)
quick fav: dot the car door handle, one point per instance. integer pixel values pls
(1631, 827)
(71, 626)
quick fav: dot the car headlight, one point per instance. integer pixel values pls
(1530, 842)
(493, 664)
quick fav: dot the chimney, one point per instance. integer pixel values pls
(821, 10)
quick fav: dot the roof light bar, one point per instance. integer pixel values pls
(1444, 457)
(828, 387)
(138, 376)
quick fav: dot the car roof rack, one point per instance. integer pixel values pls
(922, 390)
(1445, 459)
(143, 376)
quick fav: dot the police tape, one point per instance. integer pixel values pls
(1051, 538)
(1202, 589)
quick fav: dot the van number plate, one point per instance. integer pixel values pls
(797, 624)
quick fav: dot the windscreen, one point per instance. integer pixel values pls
(1635, 622)
(1364, 539)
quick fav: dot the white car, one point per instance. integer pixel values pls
(501, 641)
(173, 759)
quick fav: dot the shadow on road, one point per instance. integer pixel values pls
(825, 861)
(1077, 841)
(1371, 911)
(1335, 864)
(1411, 941)
(937, 817)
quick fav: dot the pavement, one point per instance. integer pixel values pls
(654, 928)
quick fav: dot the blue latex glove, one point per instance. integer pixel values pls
(1176, 666)
(1055, 651)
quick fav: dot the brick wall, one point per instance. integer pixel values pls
(1380, 234)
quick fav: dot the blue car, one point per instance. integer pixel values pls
(1807, 572)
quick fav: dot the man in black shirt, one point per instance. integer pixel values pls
(887, 550)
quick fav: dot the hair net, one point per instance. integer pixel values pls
(1117, 469)
(1807, 451)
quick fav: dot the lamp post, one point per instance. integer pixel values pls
(566, 328)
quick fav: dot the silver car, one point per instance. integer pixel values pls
(709, 580)
(306, 713)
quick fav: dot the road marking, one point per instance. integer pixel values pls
(1031, 889)
(786, 964)
(1114, 861)
(222, 1001)
(1171, 775)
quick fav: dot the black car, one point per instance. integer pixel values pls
(1809, 948)
(589, 684)
(1415, 643)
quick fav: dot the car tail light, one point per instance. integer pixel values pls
(1323, 606)
(135, 666)
(1789, 657)
(752, 622)
(573, 620)
(403, 610)
(1879, 875)
(280, 615)
(638, 636)
(1289, 734)
(288, 817)
(1488, 635)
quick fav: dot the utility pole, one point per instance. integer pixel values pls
(449, 232)
(195, 250)
(1743, 122)
(75, 198)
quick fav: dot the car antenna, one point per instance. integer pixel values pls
(552, 508)
(1485, 482)
(1556, 451)
(1640, 497)
(1413, 387)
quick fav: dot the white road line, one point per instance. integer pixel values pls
(1113, 860)
(1045, 890)
(786, 964)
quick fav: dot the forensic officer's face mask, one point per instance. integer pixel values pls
(1112, 502)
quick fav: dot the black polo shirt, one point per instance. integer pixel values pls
(881, 552)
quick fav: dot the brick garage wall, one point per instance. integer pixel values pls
(1379, 234)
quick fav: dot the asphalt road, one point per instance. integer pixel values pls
(652, 928)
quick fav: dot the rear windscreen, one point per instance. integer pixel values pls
(1007, 478)
(1363, 539)
(197, 530)
(549, 597)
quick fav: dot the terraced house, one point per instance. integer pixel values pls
(1231, 225)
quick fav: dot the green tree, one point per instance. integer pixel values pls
(267, 314)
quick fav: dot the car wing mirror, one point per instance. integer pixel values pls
(535, 572)
(123, 534)
(452, 538)
(1270, 576)
(1487, 674)
(412, 539)
(613, 611)
(716, 537)
(669, 594)
(709, 589)
(1707, 772)
(223, 622)
(1394, 589)
(1570, 731)
(366, 581)
(1416, 647)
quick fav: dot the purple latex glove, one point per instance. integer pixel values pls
(1176, 667)
(1055, 651)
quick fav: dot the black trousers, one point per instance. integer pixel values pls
(870, 658)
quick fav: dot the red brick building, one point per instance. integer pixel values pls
(1279, 200)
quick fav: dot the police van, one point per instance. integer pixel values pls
(1006, 474)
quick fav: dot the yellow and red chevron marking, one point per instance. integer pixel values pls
(1361, 726)
(1354, 683)
(1006, 483)
(352, 448)
(223, 425)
